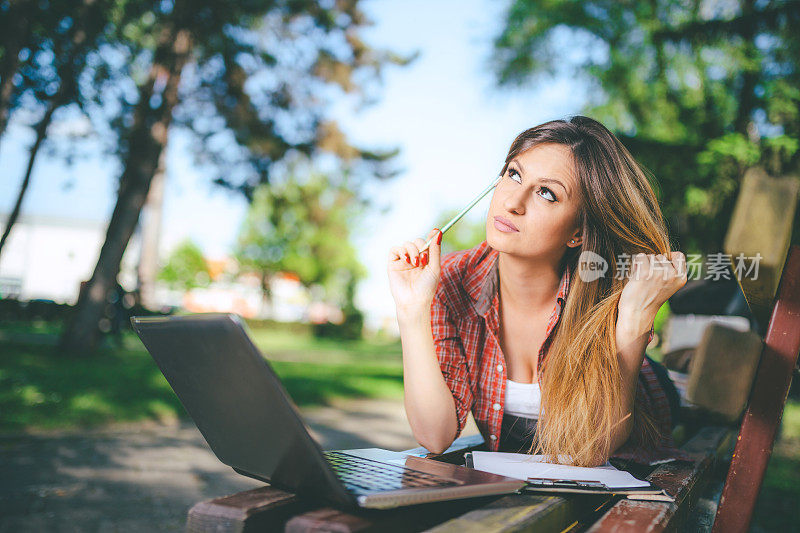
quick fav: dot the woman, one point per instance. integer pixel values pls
(514, 320)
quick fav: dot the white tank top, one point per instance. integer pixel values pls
(522, 399)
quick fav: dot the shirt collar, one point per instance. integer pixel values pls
(482, 280)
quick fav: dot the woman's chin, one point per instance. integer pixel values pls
(497, 240)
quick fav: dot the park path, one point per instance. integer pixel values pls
(145, 477)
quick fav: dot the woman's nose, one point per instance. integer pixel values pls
(515, 201)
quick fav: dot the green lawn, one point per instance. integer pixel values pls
(39, 389)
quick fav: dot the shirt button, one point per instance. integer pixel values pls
(493, 437)
(496, 407)
(499, 368)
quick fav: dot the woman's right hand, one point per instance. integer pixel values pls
(413, 277)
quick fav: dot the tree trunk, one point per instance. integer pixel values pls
(147, 270)
(751, 75)
(41, 134)
(146, 141)
(266, 295)
(14, 42)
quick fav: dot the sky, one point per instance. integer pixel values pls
(444, 112)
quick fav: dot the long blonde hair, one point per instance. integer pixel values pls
(619, 214)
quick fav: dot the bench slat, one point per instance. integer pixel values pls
(262, 509)
(681, 479)
(529, 511)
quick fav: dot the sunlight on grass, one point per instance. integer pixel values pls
(41, 389)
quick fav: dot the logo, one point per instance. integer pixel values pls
(591, 266)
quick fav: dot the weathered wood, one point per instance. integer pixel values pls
(765, 408)
(527, 512)
(762, 223)
(404, 519)
(681, 479)
(262, 509)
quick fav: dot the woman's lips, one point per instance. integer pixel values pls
(504, 225)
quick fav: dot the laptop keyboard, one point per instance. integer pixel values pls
(360, 475)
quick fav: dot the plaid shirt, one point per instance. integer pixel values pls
(464, 316)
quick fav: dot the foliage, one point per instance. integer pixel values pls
(251, 82)
(186, 268)
(465, 234)
(697, 91)
(302, 225)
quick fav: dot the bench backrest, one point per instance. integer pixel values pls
(762, 416)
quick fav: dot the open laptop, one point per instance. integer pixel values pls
(251, 424)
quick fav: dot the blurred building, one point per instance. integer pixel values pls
(47, 257)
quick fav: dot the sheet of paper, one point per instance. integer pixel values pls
(522, 466)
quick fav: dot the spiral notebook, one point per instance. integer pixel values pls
(551, 477)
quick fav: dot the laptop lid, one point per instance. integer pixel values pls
(237, 401)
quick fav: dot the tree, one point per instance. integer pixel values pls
(144, 143)
(186, 267)
(58, 47)
(698, 92)
(251, 92)
(302, 225)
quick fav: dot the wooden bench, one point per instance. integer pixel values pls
(776, 297)
(269, 508)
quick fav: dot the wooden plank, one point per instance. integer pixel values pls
(681, 479)
(525, 512)
(406, 519)
(762, 223)
(767, 400)
(261, 509)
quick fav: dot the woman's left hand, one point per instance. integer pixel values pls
(653, 279)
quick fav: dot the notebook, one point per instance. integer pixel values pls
(542, 476)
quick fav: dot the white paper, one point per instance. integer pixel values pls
(522, 466)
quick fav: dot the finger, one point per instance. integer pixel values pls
(679, 261)
(426, 252)
(397, 253)
(413, 252)
(662, 266)
(420, 244)
(639, 266)
(435, 249)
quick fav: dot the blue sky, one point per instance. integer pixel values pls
(452, 125)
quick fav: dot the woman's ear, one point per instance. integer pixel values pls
(575, 241)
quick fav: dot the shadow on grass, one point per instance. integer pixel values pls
(316, 384)
(40, 389)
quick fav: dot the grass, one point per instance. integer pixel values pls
(42, 390)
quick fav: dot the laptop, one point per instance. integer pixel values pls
(251, 424)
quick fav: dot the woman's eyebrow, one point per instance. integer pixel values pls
(543, 178)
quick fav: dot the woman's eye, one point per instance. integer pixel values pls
(512, 173)
(551, 197)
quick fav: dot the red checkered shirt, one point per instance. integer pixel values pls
(464, 316)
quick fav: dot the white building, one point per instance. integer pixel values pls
(47, 257)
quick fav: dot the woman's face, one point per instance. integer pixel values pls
(538, 195)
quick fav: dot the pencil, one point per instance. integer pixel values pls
(463, 212)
